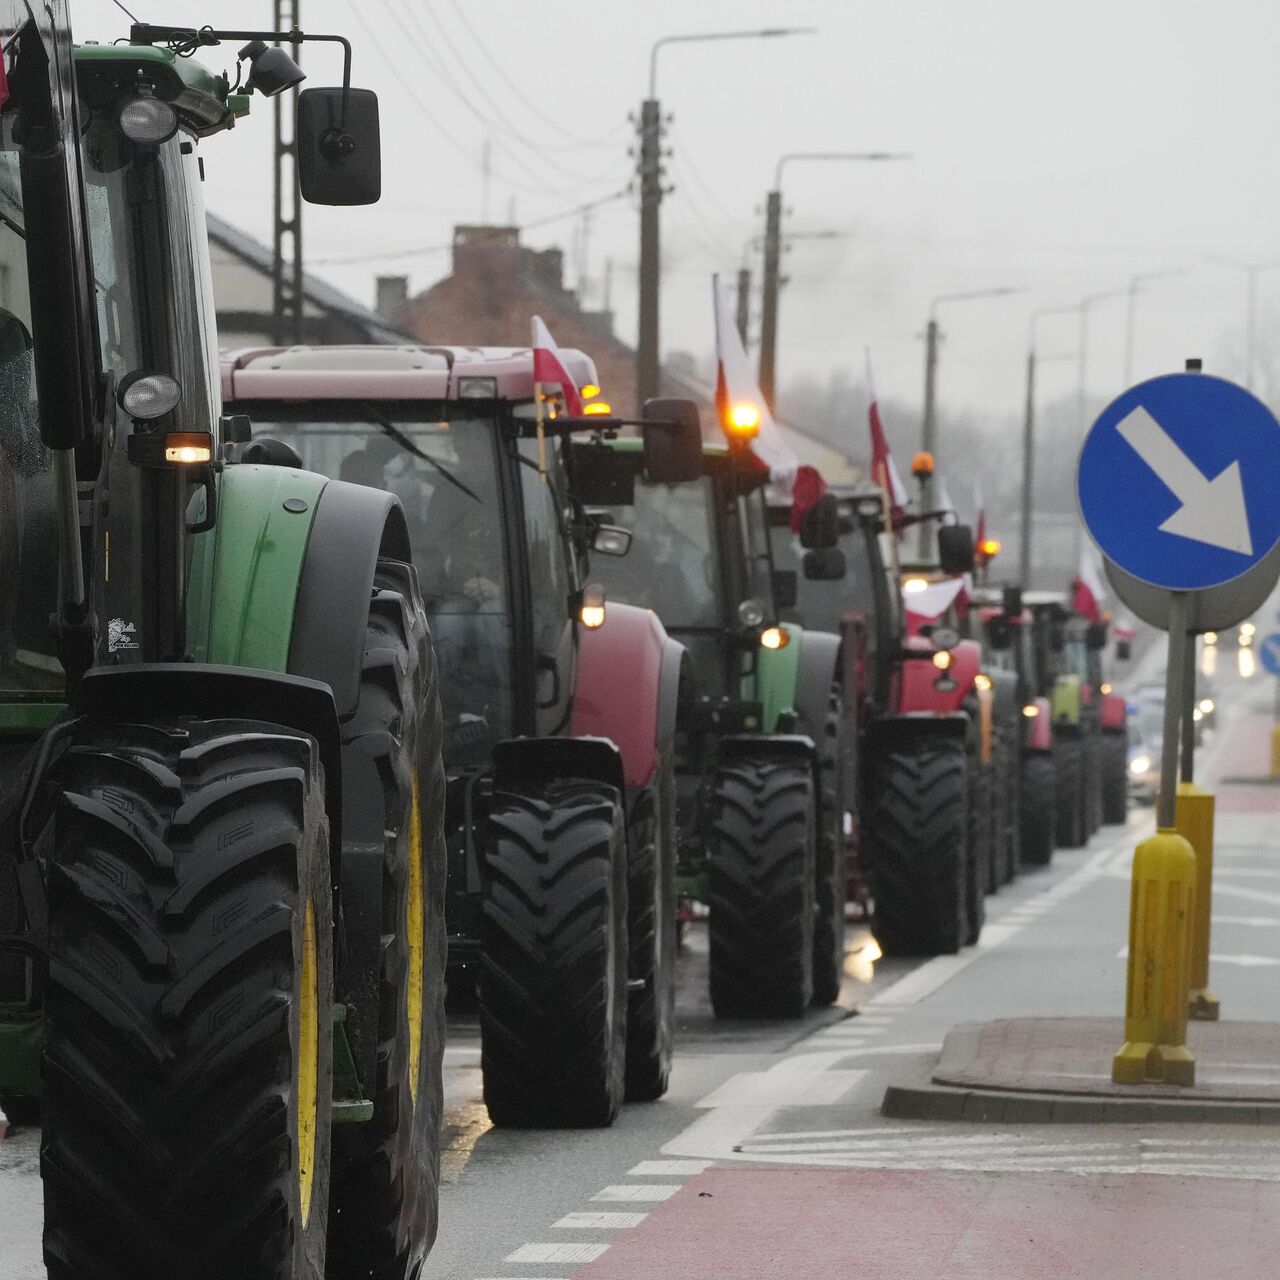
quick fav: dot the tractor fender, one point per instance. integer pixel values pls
(920, 678)
(819, 669)
(1039, 729)
(1114, 716)
(891, 732)
(737, 746)
(114, 695)
(519, 763)
(353, 527)
(627, 688)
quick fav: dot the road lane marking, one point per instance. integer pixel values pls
(598, 1221)
(557, 1253)
(669, 1168)
(638, 1191)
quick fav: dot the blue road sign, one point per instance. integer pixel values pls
(1269, 654)
(1179, 481)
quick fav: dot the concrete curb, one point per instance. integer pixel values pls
(982, 1106)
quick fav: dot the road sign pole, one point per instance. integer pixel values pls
(1189, 709)
(1275, 737)
(1174, 703)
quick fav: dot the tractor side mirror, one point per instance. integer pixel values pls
(825, 565)
(955, 549)
(786, 588)
(999, 633)
(820, 525)
(1011, 602)
(1096, 637)
(339, 148)
(1124, 650)
(672, 433)
(611, 540)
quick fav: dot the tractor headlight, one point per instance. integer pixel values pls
(148, 395)
(592, 612)
(477, 388)
(147, 120)
(774, 638)
(1206, 705)
(1031, 711)
(751, 613)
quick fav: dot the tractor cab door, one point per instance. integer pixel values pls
(552, 583)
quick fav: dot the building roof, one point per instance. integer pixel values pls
(316, 291)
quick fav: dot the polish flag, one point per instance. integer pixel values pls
(808, 488)
(549, 370)
(1088, 590)
(736, 383)
(883, 472)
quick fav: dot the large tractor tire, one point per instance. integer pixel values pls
(553, 978)
(651, 932)
(762, 844)
(1038, 809)
(917, 842)
(386, 1172)
(1092, 783)
(1012, 781)
(1068, 762)
(997, 868)
(1115, 779)
(188, 1065)
(832, 873)
(981, 846)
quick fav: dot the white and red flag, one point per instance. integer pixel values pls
(1088, 590)
(736, 384)
(549, 369)
(883, 471)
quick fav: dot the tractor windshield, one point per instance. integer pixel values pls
(671, 565)
(28, 540)
(445, 472)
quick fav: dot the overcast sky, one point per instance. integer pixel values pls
(1057, 148)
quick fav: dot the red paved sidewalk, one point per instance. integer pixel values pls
(1246, 755)
(764, 1224)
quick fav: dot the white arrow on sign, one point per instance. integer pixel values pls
(1212, 511)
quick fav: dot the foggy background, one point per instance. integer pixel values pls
(1057, 150)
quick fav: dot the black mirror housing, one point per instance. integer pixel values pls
(825, 565)
(339, 147)
(955, 549)
(672, 441)
(786, 588)
(999, 633)
(1096, 637)
(1011, 602)
(820, 525)
(1124, 651)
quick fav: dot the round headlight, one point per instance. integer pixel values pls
(751, 613)
(148, 395)
(945, 637)
(147, 120)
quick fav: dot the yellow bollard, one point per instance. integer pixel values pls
(1275, 751)
(1160, 916)
(1194, 820)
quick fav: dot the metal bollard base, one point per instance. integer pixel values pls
(1145, 1063)
(1203, 1006)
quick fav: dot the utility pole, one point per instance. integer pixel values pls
(286, 282)
(744, 304)
(928, 437)
(649, 174)
(1028, 473)
(769, 288)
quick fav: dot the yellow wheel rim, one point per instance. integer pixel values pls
(414, 915)
(308, 1060)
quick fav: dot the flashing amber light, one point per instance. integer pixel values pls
(943, 660)
(742, 420)
(982, 680)
(597, 409)
(188, 448)
(922, 464)
(1105, 688)
(989, 548)
(1031, 711)
(912, 585)
(588, 391)
(774, 638)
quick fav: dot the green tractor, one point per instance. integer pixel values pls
(221, 800)
(760, 749)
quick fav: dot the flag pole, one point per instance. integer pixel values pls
(882, 479)
(539, 417)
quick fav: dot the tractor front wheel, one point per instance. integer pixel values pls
(982, 791)
(1115, 779)
(188, 1064)
(553, 978)
(832, 875)
(1068, 762)
(917, 841)
(1038, 809)
(763, 852)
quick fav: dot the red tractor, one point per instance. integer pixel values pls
(559, 714)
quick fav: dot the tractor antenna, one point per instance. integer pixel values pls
(123, 10)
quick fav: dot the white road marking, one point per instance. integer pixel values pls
(1255, 922)
(598, 1221)
(638, 1191)
(557, 1253)
(669, 1168)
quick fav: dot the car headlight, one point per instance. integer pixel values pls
(1140, 764)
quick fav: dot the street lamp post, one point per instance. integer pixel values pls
(1134, 282)
(929, 426)
(650, 178)
(772, 282)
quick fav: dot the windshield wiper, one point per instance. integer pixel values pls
(390, 428)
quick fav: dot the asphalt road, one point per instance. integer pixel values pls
(802, 1100)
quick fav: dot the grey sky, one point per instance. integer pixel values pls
(1058, 148)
